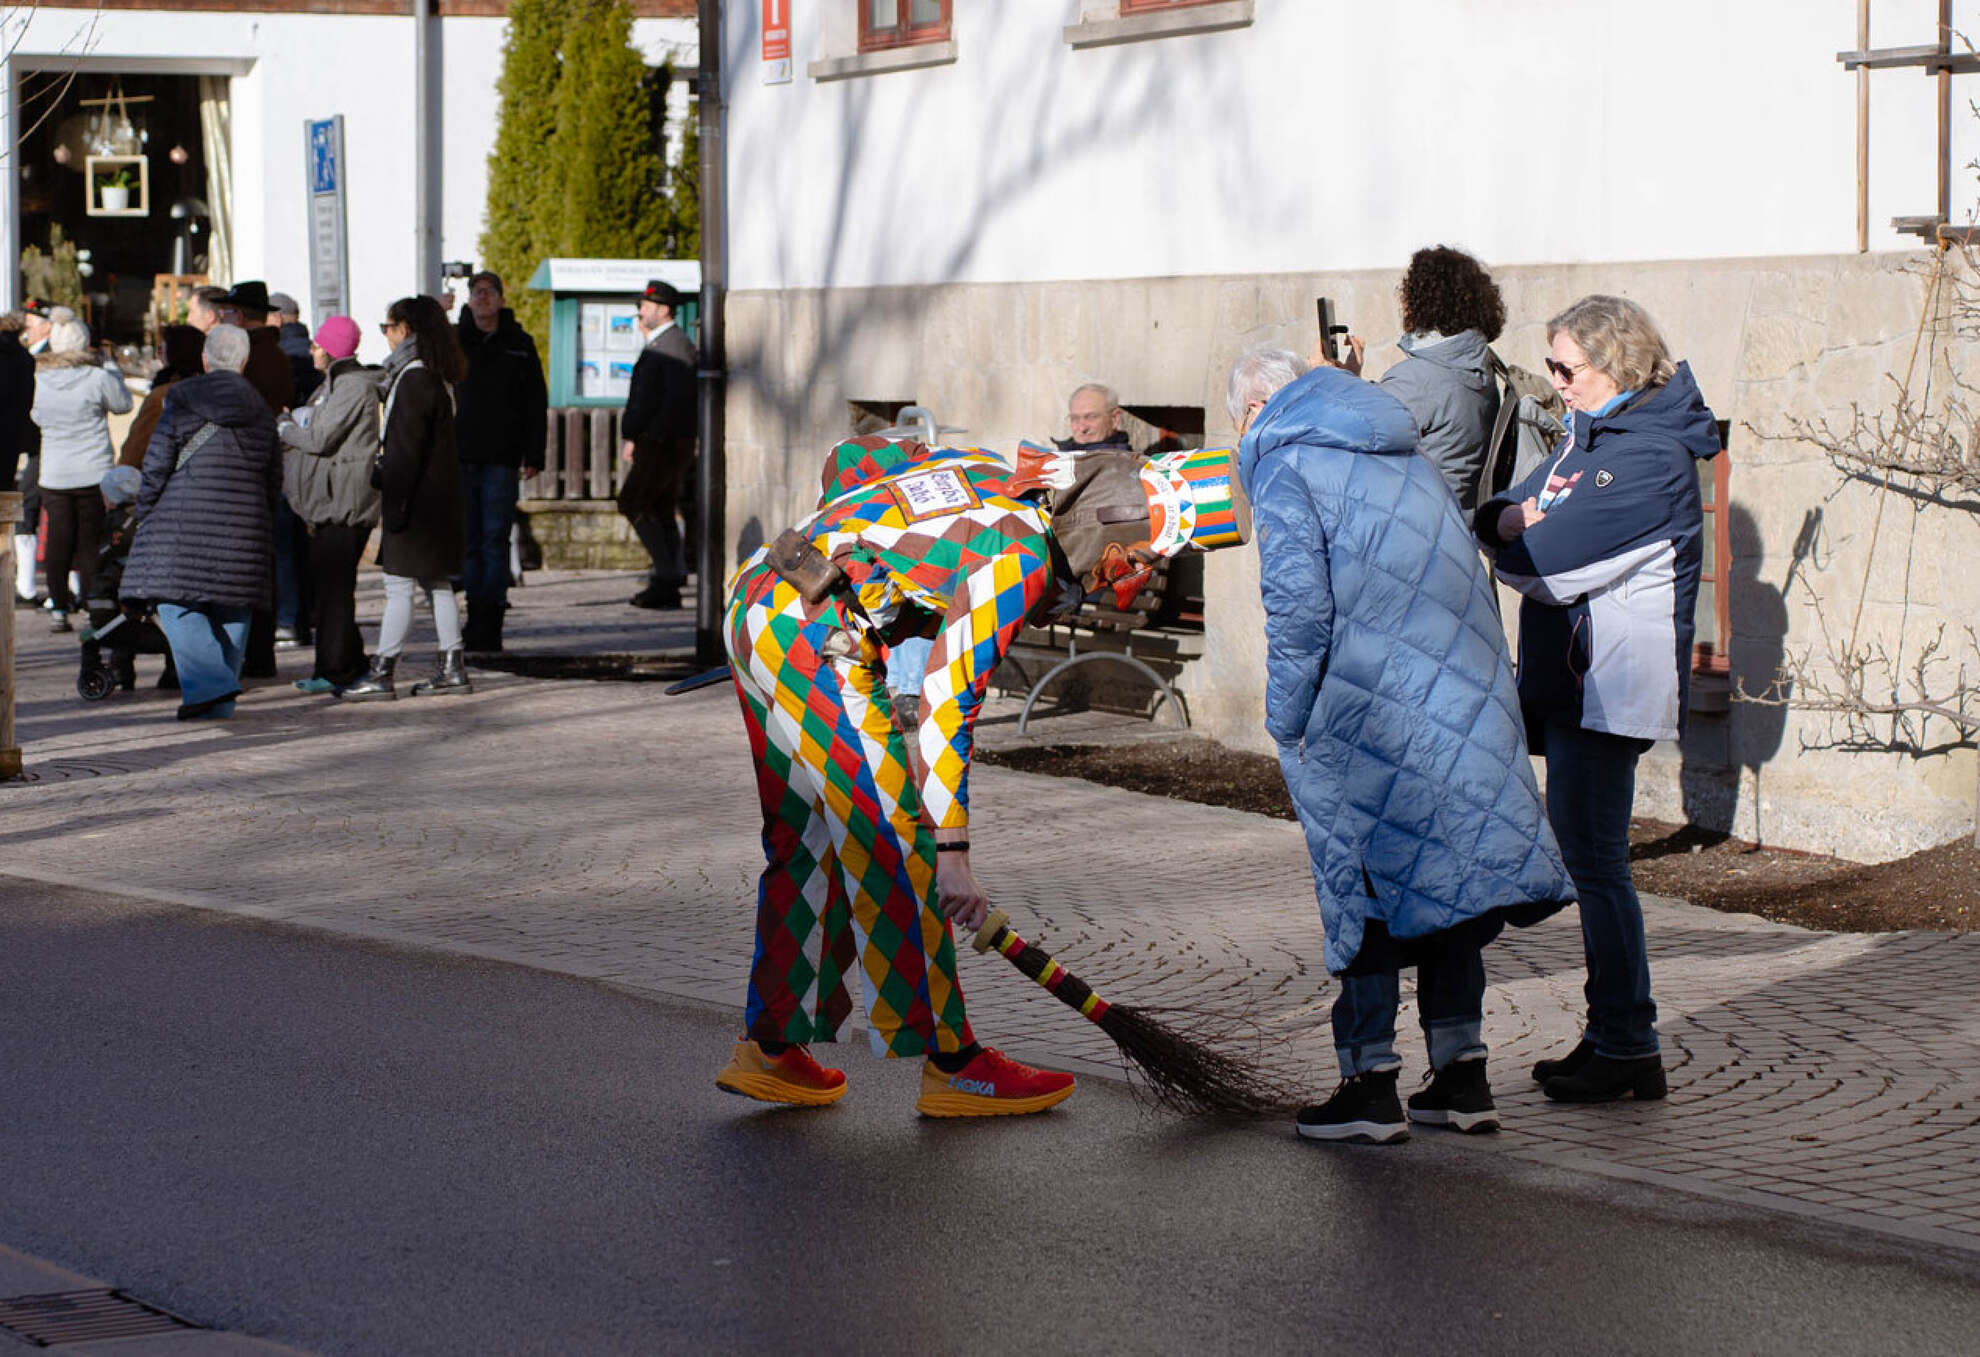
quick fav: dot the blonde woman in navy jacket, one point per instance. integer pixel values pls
(1604, 542)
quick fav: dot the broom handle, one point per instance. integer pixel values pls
(996, 933)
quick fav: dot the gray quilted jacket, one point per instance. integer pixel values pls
(1387, 686)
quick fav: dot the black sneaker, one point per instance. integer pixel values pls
(1456, 1096)
(1364, 1110)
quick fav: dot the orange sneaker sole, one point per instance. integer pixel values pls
(769, 1089)
(950, 1104)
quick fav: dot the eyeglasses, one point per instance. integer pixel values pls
(1564, 372)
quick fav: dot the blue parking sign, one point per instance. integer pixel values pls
(323, 156)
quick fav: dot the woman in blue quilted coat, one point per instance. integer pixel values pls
(1391, 697)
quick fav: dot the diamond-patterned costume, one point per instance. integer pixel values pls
(929, 543)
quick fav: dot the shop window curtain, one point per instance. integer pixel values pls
(216, 136)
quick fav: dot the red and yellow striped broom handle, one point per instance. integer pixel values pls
(997, 933)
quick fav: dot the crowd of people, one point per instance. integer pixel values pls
(428, 451)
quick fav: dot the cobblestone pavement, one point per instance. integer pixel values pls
(603, 830)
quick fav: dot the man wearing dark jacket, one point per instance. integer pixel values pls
(659, 429)
(499, 430)
(285, 316)
(204, 549)
(269, 373)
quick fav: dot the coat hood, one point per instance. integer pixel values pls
(1328, 408)
(1676, 410)
(220, 398)
(47, 362)
(1464, 354)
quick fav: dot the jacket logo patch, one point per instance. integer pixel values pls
(1602, 478)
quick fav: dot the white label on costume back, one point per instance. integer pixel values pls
(934, 492)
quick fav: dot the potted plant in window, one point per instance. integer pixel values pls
(113, 191)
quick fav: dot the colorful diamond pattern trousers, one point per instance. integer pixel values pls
(848, 883)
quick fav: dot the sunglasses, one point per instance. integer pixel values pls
(1564, 372)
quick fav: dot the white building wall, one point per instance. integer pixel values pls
(289, 68)
(1325, 136)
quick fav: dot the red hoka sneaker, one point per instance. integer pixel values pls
(991, 1085)
(793, 1077)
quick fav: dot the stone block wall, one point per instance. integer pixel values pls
(582, 534)
(1770, 340)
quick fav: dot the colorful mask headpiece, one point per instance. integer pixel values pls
(1115, 514)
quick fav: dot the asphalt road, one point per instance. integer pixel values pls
(358, 1149)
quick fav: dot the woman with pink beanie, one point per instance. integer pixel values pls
(327, 447)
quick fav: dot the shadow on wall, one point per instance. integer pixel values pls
(749, 539)
(1020, 146)
(1753, 730)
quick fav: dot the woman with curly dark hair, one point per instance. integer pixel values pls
(1451, 313)
(423, 513)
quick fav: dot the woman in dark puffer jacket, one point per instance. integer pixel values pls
(204, 549)
(419, 476)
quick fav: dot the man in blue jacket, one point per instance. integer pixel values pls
(1390, 695)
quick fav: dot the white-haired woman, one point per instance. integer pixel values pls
(74, 396)
(1390, 696)
(1604, 542)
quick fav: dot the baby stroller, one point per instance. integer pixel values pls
(118, 632)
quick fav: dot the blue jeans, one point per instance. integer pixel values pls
(292, 582)
(490, 495)
(1450, 1000)
(1591, 787)
(209, 644)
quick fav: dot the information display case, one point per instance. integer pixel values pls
(594, 322)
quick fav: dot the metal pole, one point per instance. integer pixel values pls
(10, 754)
(1862, 131)
(710, 490)
(426, 234)
(1945, 115)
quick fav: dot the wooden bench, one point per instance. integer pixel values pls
(1154, 639)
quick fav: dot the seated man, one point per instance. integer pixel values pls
(1094, 414)
(866, 836)
(1390, 695)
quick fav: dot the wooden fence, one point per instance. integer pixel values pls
(580, 456)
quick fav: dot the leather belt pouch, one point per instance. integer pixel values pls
(800, 564)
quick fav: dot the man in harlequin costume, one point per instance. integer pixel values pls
(865, 827)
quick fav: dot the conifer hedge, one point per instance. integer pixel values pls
(576, 170)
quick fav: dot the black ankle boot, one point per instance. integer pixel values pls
(375, 686)
(1602, 1080)
(1543, 1070)
(449, 676)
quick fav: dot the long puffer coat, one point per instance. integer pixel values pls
(1388, 687)
(206, 527)
(425, 536)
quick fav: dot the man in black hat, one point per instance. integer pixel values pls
(659, 429)
(268, 368)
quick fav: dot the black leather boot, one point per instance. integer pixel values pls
(1543, 1070)
(375, 686)
(1602, 1080)
(449, 676)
